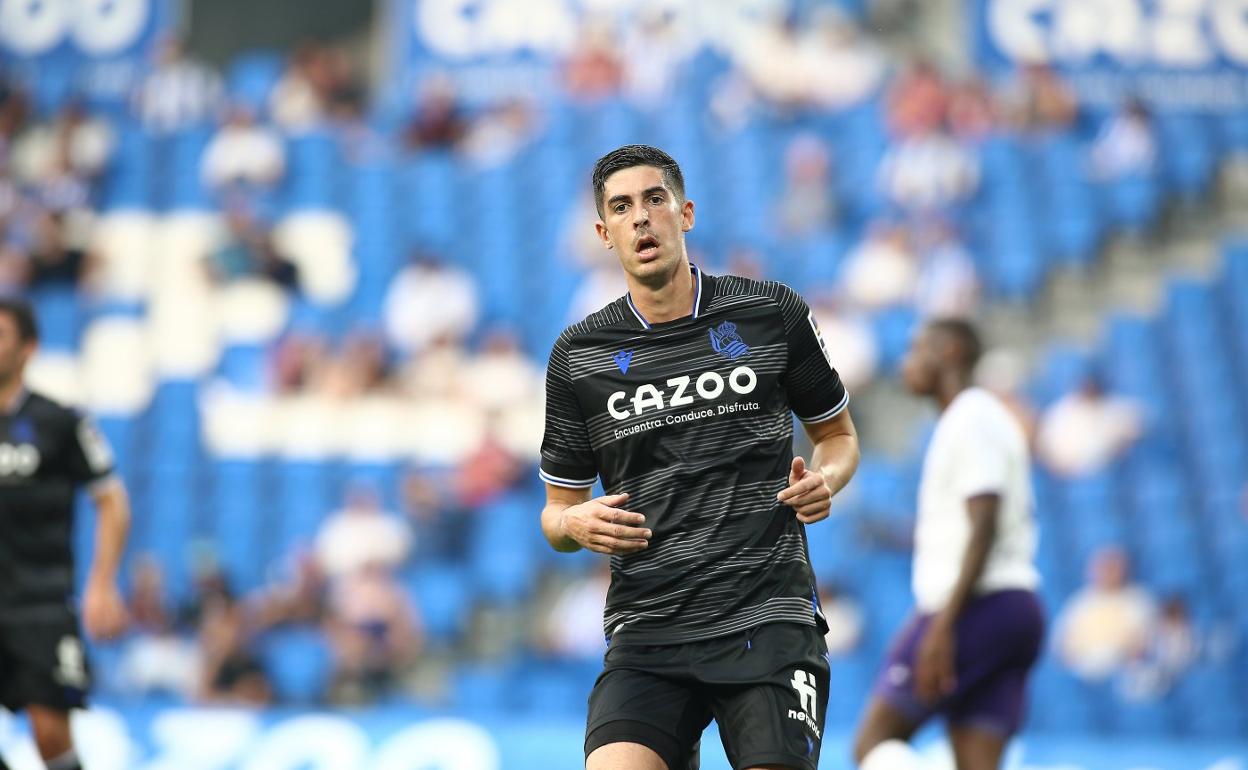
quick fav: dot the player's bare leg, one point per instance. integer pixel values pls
(976, 749)
(882, 726)
(624, 756)
(52, 737)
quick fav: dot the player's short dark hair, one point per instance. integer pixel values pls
(23, 316)
(631, 155)
(964, 337)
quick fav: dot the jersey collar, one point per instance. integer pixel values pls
(697, 299)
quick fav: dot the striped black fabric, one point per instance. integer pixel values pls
(692, 418)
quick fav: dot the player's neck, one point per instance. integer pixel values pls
(10, 391)
(951, 384)
(666, 302)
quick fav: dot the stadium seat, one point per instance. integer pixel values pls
(442, 594)
(299, 664)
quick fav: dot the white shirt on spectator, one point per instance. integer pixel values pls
(179, 95)
(425, 302)
(1080, 434)
(1101, 629)
(928, 172)
(351, 539)
(244, 153)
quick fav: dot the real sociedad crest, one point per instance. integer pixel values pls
(726, 341)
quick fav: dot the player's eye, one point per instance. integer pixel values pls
(620, 207)
(656, 199)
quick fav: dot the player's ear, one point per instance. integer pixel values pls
(686, 216)
(603, 235)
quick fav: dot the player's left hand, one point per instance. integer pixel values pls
(808, 493)
(103, 609)
(935, 675)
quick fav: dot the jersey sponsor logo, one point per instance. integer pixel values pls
(622, 360)
(19, 460)
(804, 683)
(708, 386)
(726, 341)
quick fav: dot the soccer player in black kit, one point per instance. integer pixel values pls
(680, 397)
(46, 453)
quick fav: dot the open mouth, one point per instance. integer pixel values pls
(647, 247)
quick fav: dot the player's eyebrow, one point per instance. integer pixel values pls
(614, 199)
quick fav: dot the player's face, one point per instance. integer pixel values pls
(919, 368)
(645, 222)
(13, 351)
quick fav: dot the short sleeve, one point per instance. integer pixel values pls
(567, 457)
(983, 462)
(90, 456)
(814, 387)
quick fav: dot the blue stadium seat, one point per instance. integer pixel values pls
(59, 317)
(443, 597)
(1187, 154)
(313, 172)
(251, 78)
(1134, 202)
(299, 664)
(503, 552)
(238, 519)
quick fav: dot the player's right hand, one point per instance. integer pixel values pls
(601, 526)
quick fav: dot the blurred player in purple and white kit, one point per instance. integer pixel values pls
(978, 624)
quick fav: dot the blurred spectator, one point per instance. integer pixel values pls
(297, 362)
(442, 529)
(438, 121)
(437, 372)
(656, 48)
(1173, 646)
(428, 300)
(13, 111)
(844, 616)
(501, 375)
(248, 252)
(73, 143)
(768, 60)
(947, 285)
(156, 657)
(928, 173)
(1085, 430)
(1125, 146)
(806, 202)
(850, 342)
(360, 367)
(1037, 100)
(833, 43)
(917, 102)
(572, 626)
(231, 672)
(495, 137)
(881, 271)
(373, 631)
(243, 153)
(178, 93)
(1107, 623)
(361, 534)
(53, 261)
(296, 103)
(298, 596)
(972, 113)
(594, 69)
(484, 475)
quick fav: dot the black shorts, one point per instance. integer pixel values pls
(767, 688)
(43, 663)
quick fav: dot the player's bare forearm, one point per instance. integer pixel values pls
(836, 452)
(571, 521)
(112, 527)
(982, 511)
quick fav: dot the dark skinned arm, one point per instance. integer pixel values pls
(935, 675)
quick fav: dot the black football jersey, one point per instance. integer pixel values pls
(46, 452)
(693, 418)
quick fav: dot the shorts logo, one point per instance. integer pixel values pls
(71, 669)
(804, 683)
(726, 341)
(623, 359)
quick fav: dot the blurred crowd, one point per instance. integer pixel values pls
(481, 392)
